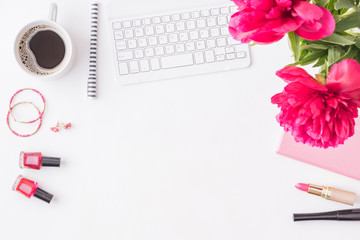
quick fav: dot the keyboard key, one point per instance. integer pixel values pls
(156, 20)
(221, 20)
(165, 19)
(209, 56)
(214, 11)
(129, 33)
(134, 67)
(204, 33)
(180, 26)
(230, 56)
(118, 35)
(240, 54)
(180, 48)
(194, 35)
(184, 36)
(190, 25)
(214, 32)
(136, 22)
(149, 52)
(120, 45)
(123, 68)
(149, 30)
(132, 44)
(153, 41)
(205, 13)
(159, 51)
(173, 38)
(200, 45)
(116, 25)
(125, 55)
(195, 14)
(221, 42)
(170, 27)
(177, 61)
(185, 15)
(224, 10)
(155, 64)
(190, 46)
(139, 53)
(170, 49)
(220, 58)
(142, 42)
(219, 51)
(201, 23)
(211, 22)
(146, 21)
(232, 41)
(163, 39)
(175, 17)
(159, 29)
(127, 24)
(229, 50)
(199, 58)
(210, 43)
(139, 32)
(144, 65)
(224, 31)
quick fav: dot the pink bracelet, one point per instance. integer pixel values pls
(40, 113)
(8, 121)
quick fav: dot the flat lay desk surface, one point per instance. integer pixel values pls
(190, 158)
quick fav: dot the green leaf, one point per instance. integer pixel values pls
(352, 21)
(310, 58)
(339, 39)
(295, 45)
(357, 42)
(314, 46)
(321, 61)
(321, 3)
(351, 53)
(334, 54)
(344, 4)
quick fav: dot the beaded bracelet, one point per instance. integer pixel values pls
(8, 122)
(40, 113)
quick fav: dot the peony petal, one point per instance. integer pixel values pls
(262, 5)
(284, 3)
(296, 74)
(266, 37)
(345, 77)
(315, 27)
(307, 11)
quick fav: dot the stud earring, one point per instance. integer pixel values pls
(56, 128)
(66, 125)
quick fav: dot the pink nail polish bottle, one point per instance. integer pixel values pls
(30, 188)
(36, 160)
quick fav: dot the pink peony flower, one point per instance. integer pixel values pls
(267, 21)
(321, 116)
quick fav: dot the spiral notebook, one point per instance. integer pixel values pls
(344, 159)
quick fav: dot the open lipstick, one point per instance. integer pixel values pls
(30, 188)
(344, 215)
(328, 193)
(36, 160)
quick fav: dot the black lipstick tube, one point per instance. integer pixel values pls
(342, 215)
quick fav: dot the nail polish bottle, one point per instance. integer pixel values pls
(30, 188)
(35, 160)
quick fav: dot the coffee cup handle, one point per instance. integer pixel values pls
(53, 12)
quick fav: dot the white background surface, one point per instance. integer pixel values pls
(190, 158)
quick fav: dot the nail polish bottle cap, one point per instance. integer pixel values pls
(50, 162)
(43, 195)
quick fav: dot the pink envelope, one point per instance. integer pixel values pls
(344, 159)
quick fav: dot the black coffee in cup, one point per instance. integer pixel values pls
(41, 49)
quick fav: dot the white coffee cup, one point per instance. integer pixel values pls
(66, 63)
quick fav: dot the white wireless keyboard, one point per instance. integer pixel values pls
(176, 44)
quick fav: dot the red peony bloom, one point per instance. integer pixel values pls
(321, 116)
(267, 21)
